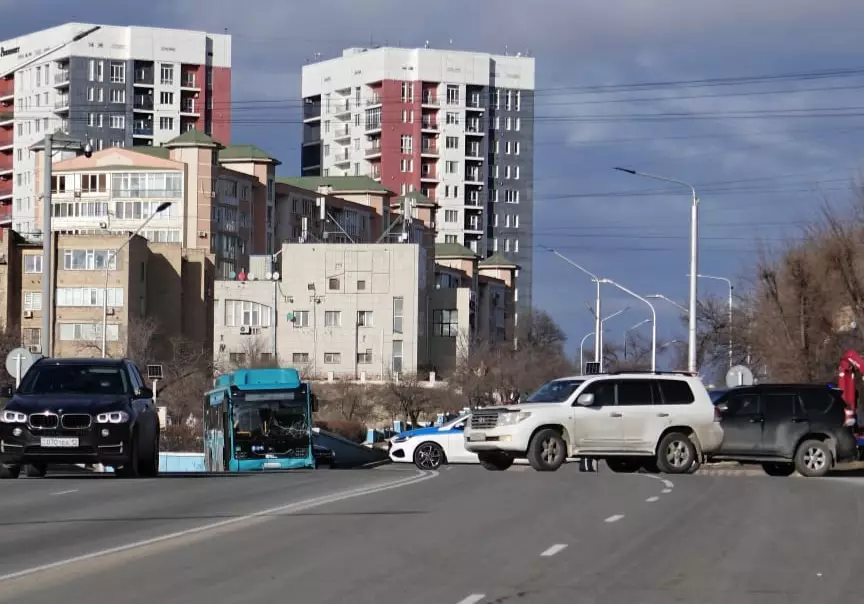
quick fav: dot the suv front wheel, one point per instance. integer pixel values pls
(676, 453)
(547, 451)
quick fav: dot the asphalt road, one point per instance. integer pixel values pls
(463, 536)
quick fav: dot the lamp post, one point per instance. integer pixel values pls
(653, 319)
(694, 260)
(160, 208)
(602, 331)
(670, 301)
(582, 352)
(598, 352)
(729, 283)
(626, 331)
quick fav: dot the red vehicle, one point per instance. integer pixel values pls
(851, 366)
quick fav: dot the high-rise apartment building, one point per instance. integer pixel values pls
(456, 126)
(113, 86)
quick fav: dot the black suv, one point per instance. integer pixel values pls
(80, 411)
(785, 427)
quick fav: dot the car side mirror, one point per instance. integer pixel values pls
(585, 400)
(7, 391)
(722, 407)
(145, 392)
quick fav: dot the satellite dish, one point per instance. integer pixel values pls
(276, 276)
(18, 361)
(739, 375)
(268, 275)
(232, 275)
(250, 277)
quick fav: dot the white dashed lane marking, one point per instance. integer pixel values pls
(472, 599)
(65, 492)
(554, 549)
(614, 518)
(651, 499)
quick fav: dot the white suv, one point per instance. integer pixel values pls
(660, 421)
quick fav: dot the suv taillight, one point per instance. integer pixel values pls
(850, 418)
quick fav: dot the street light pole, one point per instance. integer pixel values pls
(653, 319)
(160, 208)
(582, 353)
(598, 352)
(729, 283)
(694, 261)
(669, 300)
(637, 326)
(602, 331)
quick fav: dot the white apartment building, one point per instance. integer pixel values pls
(456, 126)
(113, 86)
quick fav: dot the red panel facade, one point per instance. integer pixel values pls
(392, 130)
(221, 103)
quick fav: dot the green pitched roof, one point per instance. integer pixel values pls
(453, 250)
(340, 184)
(160, 152)
(497, 260)
(193, 138)
(418, 199)
(233, 153)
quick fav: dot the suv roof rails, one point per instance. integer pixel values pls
(649, 372)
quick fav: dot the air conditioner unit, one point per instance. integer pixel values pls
(245, 330)
(202, 234)
(28, 314)
(35, 349)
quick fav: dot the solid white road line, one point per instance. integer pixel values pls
(554, 549)
(65, 492)
(472, 599)
(610, 519)
(667, 490)
(289, 508)
(651, 499)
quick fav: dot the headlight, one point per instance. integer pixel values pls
(512, 417)
(114, 417)
(13, 417)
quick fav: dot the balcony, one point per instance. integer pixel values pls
(474, 129)
(143, 130)
(428, 175)
(474, 154)
(187, 81)
(473, 177)
(429, 125)
(375, 99)
(188, 108)
(143, 77)
(372, 127)
(341, 109)
(475, 105)
(342, 158)
(143, 103)
(373, 151)
(61, 78)
(342, 133)
(430, 100)
(474, 227)
(61, 104)
(429, 150)
(474, 203)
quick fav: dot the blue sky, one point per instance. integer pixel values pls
(763, 155)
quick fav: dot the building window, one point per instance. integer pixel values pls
(452, 95)
(88, 332)
(31, 336)
(332, 358)
(247, 314)
(452, 142)
(406, 165)
(451, 216)
(407, 116)
(89, 260)
(445, 323)
(118, 96)
(333, 284)
(32, 301)
(166, 123)
(452, 167)
(407, 92)
(299, 358)
(117, 122)
(301, 318)
(398, 310)
(32, 264)
(407, 143)
(167, 74)
(118, 72)
(518, 100)
(166, 98)
(364, 318)
(451, 239)
(397, 356)
(89, 296)
(333, 318)
(361, 286)
(452, 118)
(364, 358)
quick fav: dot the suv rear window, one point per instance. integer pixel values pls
(676, 392)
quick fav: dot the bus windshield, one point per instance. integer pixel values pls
(269, 424)
(556, 391)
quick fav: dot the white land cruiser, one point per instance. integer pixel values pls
(660, 421)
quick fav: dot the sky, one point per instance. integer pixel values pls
(652, 85)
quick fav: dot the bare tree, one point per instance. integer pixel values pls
(256, 353)
(347, 401)
(405, 397)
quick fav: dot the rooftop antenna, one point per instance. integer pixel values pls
(426, 45)
(506, 51)
(451, 41)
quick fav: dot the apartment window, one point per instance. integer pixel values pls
(516, 172)
(89, 296)
(452, 95)
(508, 123)
(300, 358)
(397, 356)
(452, 142)
(247, 314)
(506, 171)
(166, 123)
(511, 196)
(452, 118)
(495, 245)
(32, 301)
(452, 167)
(32, 264)
(91, 94)
(118, 72)
(333, 284)
(406, 165)
(361, 286)
(301, 318)
(516, 148)
(88, 260)
(333, 318)
(451, 216)
(517, 124)
(515, 245)
(167, 74)
(496, 99)
(407, 116)
(31, 336)
(332, 358)
(516, 221)
(364, 358)
(450, 239)
(407, 92)
(364, 318)
(118, 122)
(39, 76)
(445, 323)
(326, 152)
(398, 309)
(88, 332)
(167, 98)
(508, 100)
(118, 96)
(407, 143)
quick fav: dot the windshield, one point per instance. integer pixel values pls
(74, 379)
(556, 391)
(271, 424)
(455, 422)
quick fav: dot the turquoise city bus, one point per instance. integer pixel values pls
(258, 419)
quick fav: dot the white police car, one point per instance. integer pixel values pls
(429, 448)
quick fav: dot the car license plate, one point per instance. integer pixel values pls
(48, 441)
(272, 465)
(476, 437)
